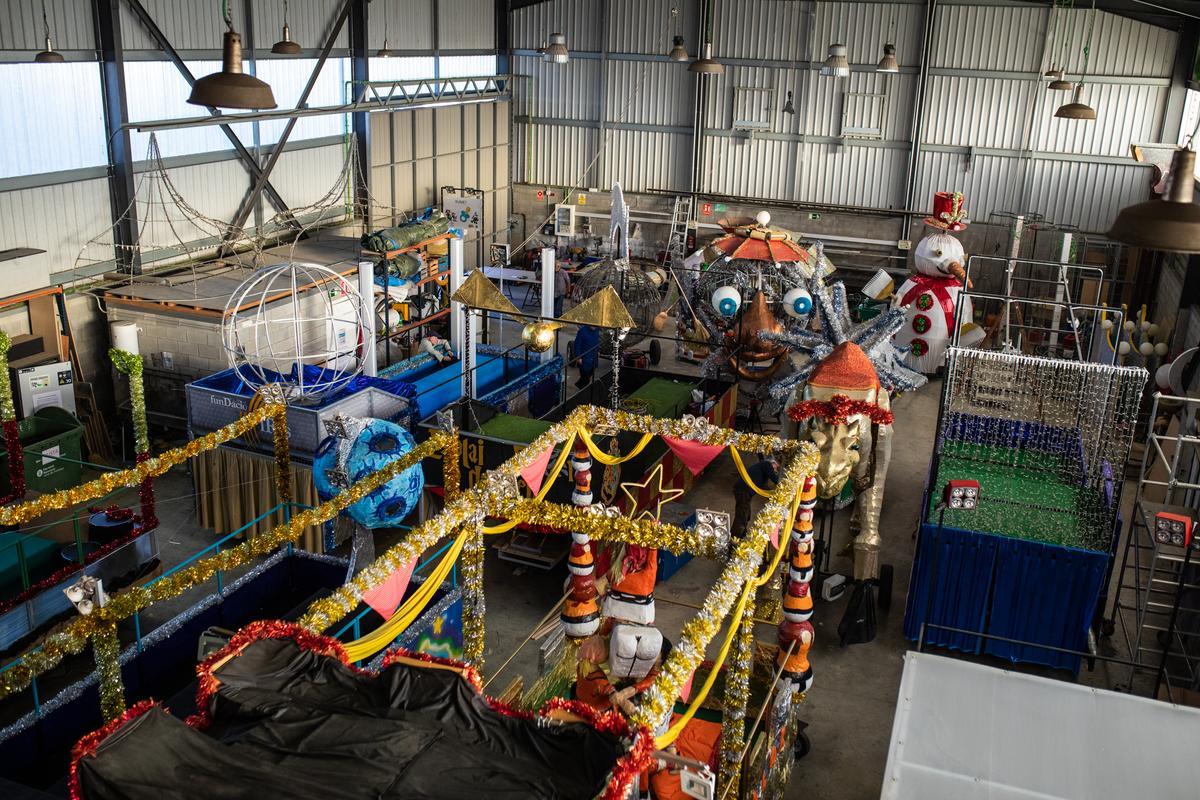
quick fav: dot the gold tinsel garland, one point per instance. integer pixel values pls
(610, 527)
(21, 513)
(474, 604)
(8, 411)
(733, 710)
(655, 703)
(107, 648)
(124, 605)
(451, 470)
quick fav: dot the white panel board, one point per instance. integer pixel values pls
(972, 732)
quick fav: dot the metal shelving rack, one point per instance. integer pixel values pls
(1156, 607)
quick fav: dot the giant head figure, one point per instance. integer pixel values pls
(758, 282)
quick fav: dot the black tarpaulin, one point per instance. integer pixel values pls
(287, 722)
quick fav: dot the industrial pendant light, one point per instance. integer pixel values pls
(836, 63)
(231, 88)
(888, 63)
(384, 52)
(706, 64)
(285, 46)
(1172, 223)
(788, 108)
(678, 51)
(1077, 109)
(556, 50)
(1054, 74)
(1060, 84)
(49, 55)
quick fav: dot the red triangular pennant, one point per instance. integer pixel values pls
(694, 455)
(385, 598)
(535, 473)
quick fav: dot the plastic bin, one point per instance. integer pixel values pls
(52, 442)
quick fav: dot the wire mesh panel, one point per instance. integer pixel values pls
(1047, 439)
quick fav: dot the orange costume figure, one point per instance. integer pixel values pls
(581, 612)
(796, 629)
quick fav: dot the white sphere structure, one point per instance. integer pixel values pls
(298, 325)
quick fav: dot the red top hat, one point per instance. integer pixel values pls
(949, 212)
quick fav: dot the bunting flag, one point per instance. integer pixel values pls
(385, 598)
(694, 455)
(535, 473)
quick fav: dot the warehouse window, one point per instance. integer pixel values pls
(401, 69)
(466, 66)
(287, 77)
(155, 90)
(38, 100)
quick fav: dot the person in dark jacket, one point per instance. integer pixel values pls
(765, 475)
(587, 354)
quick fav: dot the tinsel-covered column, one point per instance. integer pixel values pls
(581, 613)
(130, 365)
(451, 471)
(474, 606)
(107, 648)
(12, 433)
(733, 711)
(796, 628)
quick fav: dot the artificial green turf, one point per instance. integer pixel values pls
(664, 398)
(512, 428)
(1025, 494)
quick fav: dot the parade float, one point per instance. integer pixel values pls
(587, 752)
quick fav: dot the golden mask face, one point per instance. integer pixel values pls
(838, 445)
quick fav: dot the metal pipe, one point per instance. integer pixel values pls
(914, 148)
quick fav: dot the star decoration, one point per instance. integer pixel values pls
(664, 495)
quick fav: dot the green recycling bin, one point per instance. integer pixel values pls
(51, 440)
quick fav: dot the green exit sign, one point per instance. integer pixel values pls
(813, 215)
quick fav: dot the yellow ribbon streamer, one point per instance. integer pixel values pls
(677, 727)
(406, 615)
(610, 460)
(555, 471)
(741, 468)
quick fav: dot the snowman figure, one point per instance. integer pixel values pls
(930, 296)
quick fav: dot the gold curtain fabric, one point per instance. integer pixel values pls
(234, 486)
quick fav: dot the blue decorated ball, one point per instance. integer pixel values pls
(376, 445)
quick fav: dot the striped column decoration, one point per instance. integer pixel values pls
(581, 613)
(797, 627)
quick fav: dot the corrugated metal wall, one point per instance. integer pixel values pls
(416, 153)
(45, 206)
(620, 111)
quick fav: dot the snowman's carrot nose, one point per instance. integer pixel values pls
(956, 269)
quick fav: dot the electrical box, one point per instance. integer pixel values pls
(42, 386)
(564, 220)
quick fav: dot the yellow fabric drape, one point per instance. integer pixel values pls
(555, 470)
(609, 460)
(741, 468)
(677, 727)
(407, 614)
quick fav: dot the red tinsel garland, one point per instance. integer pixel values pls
(629, 766)
(625, 771)
(146, 495)
(113, 513)
(16, 461)
(91, 741)
(838, 410)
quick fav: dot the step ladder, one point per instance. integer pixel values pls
(681, 214)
